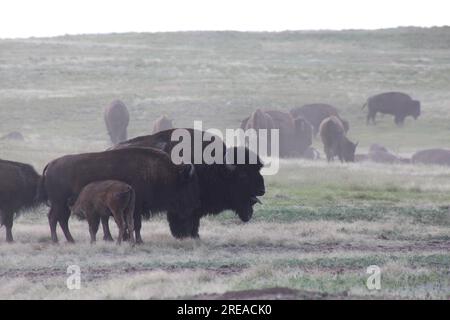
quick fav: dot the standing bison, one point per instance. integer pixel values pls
(159, 185)
(222, 186)
(295, 134)
(161, 124)
(18, 186)
(398, 104)
(335, 142)
(116, 119)
(315, 113)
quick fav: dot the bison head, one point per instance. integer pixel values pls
(415, 109)
(348, 150)
(245, 181)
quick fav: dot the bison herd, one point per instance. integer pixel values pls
(136, 178)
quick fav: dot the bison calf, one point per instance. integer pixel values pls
(335, 142)
(99, 200)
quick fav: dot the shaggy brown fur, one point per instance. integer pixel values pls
(100, 200)
(335, 142)
(398, 104)
(159, 185)
(222, 186)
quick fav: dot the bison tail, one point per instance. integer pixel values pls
(41, 193)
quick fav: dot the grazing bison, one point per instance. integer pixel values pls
(432, 156)
(315, 113)
(335, 142)
(398, 104)
(18, 186)
(295, 134)
(15, 135)
(222, 186)
(161, 124)
(159, 185)
(116, 119)
(99, 200)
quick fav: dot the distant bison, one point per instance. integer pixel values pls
(223, 186)
(161, 124)
(116, 119)
(398, 104)
(334, 140)
(14, 135)
(100, 200)
(18, 186)
(378, 153)
(295, 135)
(315, 113)
(159, 185)
(432, 156)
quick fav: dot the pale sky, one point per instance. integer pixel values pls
(26, 18)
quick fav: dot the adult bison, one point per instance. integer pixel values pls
(18, 186)
(161, 124)
(432, 156)
(315, 113)
(295, 135)
(223, 186)
(398, 104)
(159, 185)
(116, 119)
(335, 142)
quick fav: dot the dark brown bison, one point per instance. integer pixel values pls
(222, 186)
(161, 124)
(102, 199)
(315, 113)
(14, 135)
(432, 156)
(116, 119)
(398, 104)
(295, 135)
(159, 185)
(18, 186)
(335, 142)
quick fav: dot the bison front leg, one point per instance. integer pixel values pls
(64, 223)
(137, 228)
(94, 223)
(7, 220)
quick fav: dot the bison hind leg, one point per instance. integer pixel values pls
(105, 226)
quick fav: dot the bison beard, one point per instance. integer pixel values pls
(158, 183)
(221, 186)
(18, 184)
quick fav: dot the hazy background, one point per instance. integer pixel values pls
(320, 225)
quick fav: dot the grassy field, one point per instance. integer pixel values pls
(320, 226)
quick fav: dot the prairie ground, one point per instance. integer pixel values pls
(320, 225)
